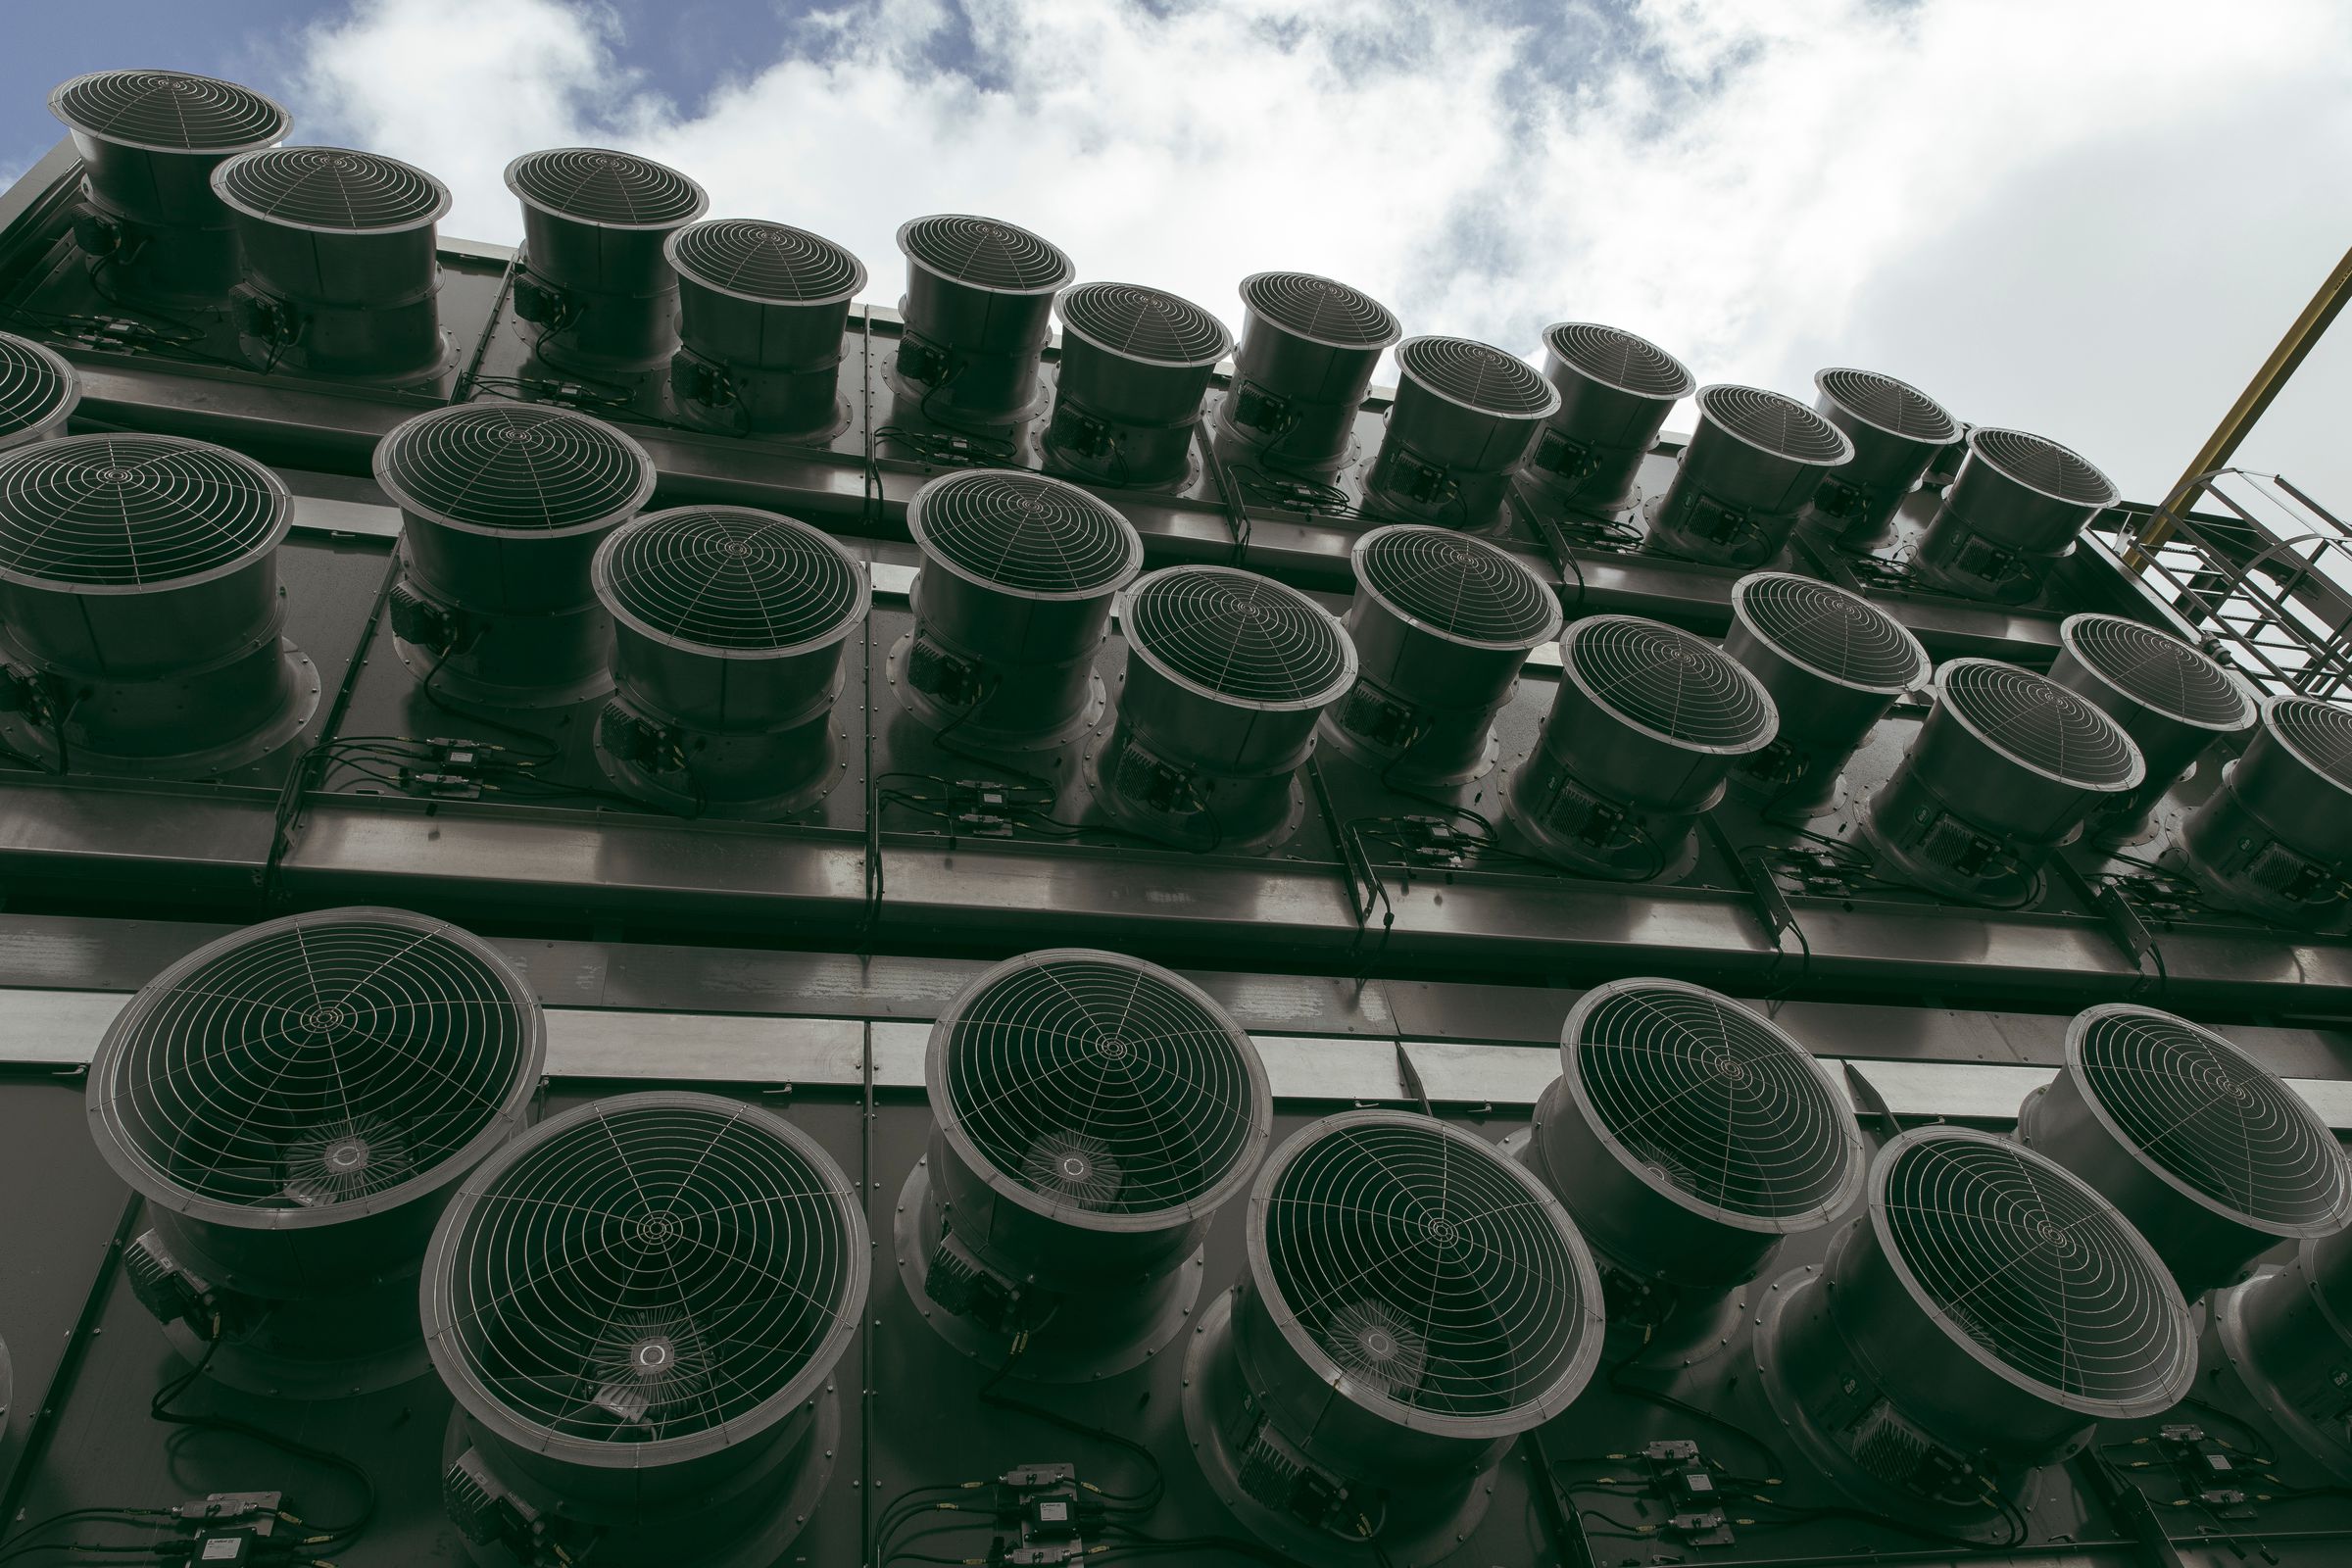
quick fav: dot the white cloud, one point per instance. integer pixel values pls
(2089, 217)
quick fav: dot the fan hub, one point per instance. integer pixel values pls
(657, 1229)
(1113, 1047)
(651, 1357)
(1440, 1230)
(2054, 1236)
(347, 1156)
(1726, 1066)
(325, 1018)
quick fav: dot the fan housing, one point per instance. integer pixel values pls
(140, 609)
(149, 141)
(1227, 674)
(1442, 624)
(294, 1102)
(1464, 422)
(1616, 390)
(1896, 430)
(2201, 1146)
(1753, 464)
(727, 633)
(338, 249)
(503, 508)
(2287, 1334)
(764, 313)
(38, 392)
(2170, 699)
(2274, 840)
(639, 1309)
(1135, 367)
(1091, 1113)
(1834, 663)
(1014, 599)
(1984, 1314)
(978, 309)
(2013, 513)
(2008, 766)
(1413, 1302)
(596, 291)
(1640, 742)
(1307, 352)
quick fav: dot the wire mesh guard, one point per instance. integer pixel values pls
(1427, 1269)
(37, 388)
(2040, 463)
(655, 1269)
(319, 1062)
(1099, 1084)
(1895, 407)
(1321, 309)
(1465, 588)
(732, 578)
(2033, 720)
(1236, 635)
(168, 110)
(331, 188)
(772, 264)
(1143, 324)
(1832, 632)
(1035, 536)
(1696, 1092)
(1477, 377)
(2320, 734)
(984, 253)
(2209, 1116)
(601, 187)
(523, 467)
(2159, 671)
(134, 511)
(2034, 1267)
(1780, 425)
(1616, 358)
(1669, 683)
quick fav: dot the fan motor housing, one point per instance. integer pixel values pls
(503, 508)
(1753, 466)
(1641, 738)
(1833, 664)
(149, 141)
(599, 292)
(764, 313)
(2275, 838)
(1465, 419)
(1616, 391)
(2287, 1334)
(1896, 430)
(140, 607)
(979, 310)
(2201, 1148)
(1014, 600)
(38, 392)
(1227, 675)
(2008, 766)
(2170, 699)
(1441, 625)
(2013, 513)
(1307, 352)
(727, 632)
(339, 259)
(1135, 368)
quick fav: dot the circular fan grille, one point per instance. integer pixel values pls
(1144, 323)
(1464, 587)
(1669, 682)
(1827, 629)
(1617, 358)
(134, 511)
(1320, 309)
(729, 578)
(2161, 671)
(331, 188)
(317, 1061)
(1781, 426)
(1102, 1084)
(168, 110)
(2203, 1110)
(2043, 466)
(1893, 406)
(1239, 635)
(984, 254)
(1714, 1100)
(513, 466)
(2035, 720)
(1024, 532)
(2033, 1265)
(1481, 377)
(597, 185)
(773, 264)
(37, 385)
(648, 1269)
(2319, 733)
(1427, 1267)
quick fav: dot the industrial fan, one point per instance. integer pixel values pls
(762, 312)
(638, 1308)
(1309, 348)
(1753, 466)
(1896, 430)
(979, 310)
(2274, 840)
(2013, 513)
(594, 284)
(1466, 418)
(1134, 371)
(295, 1102)
(1833, 664)
(38, 392)
(2170, 699)
(1616, 390)
(1090, 1114)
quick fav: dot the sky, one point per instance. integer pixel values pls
(2090, 219)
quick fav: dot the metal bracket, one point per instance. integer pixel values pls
(1870, 1104)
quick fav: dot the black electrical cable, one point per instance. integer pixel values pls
(159, 1409)
(991, 1395)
